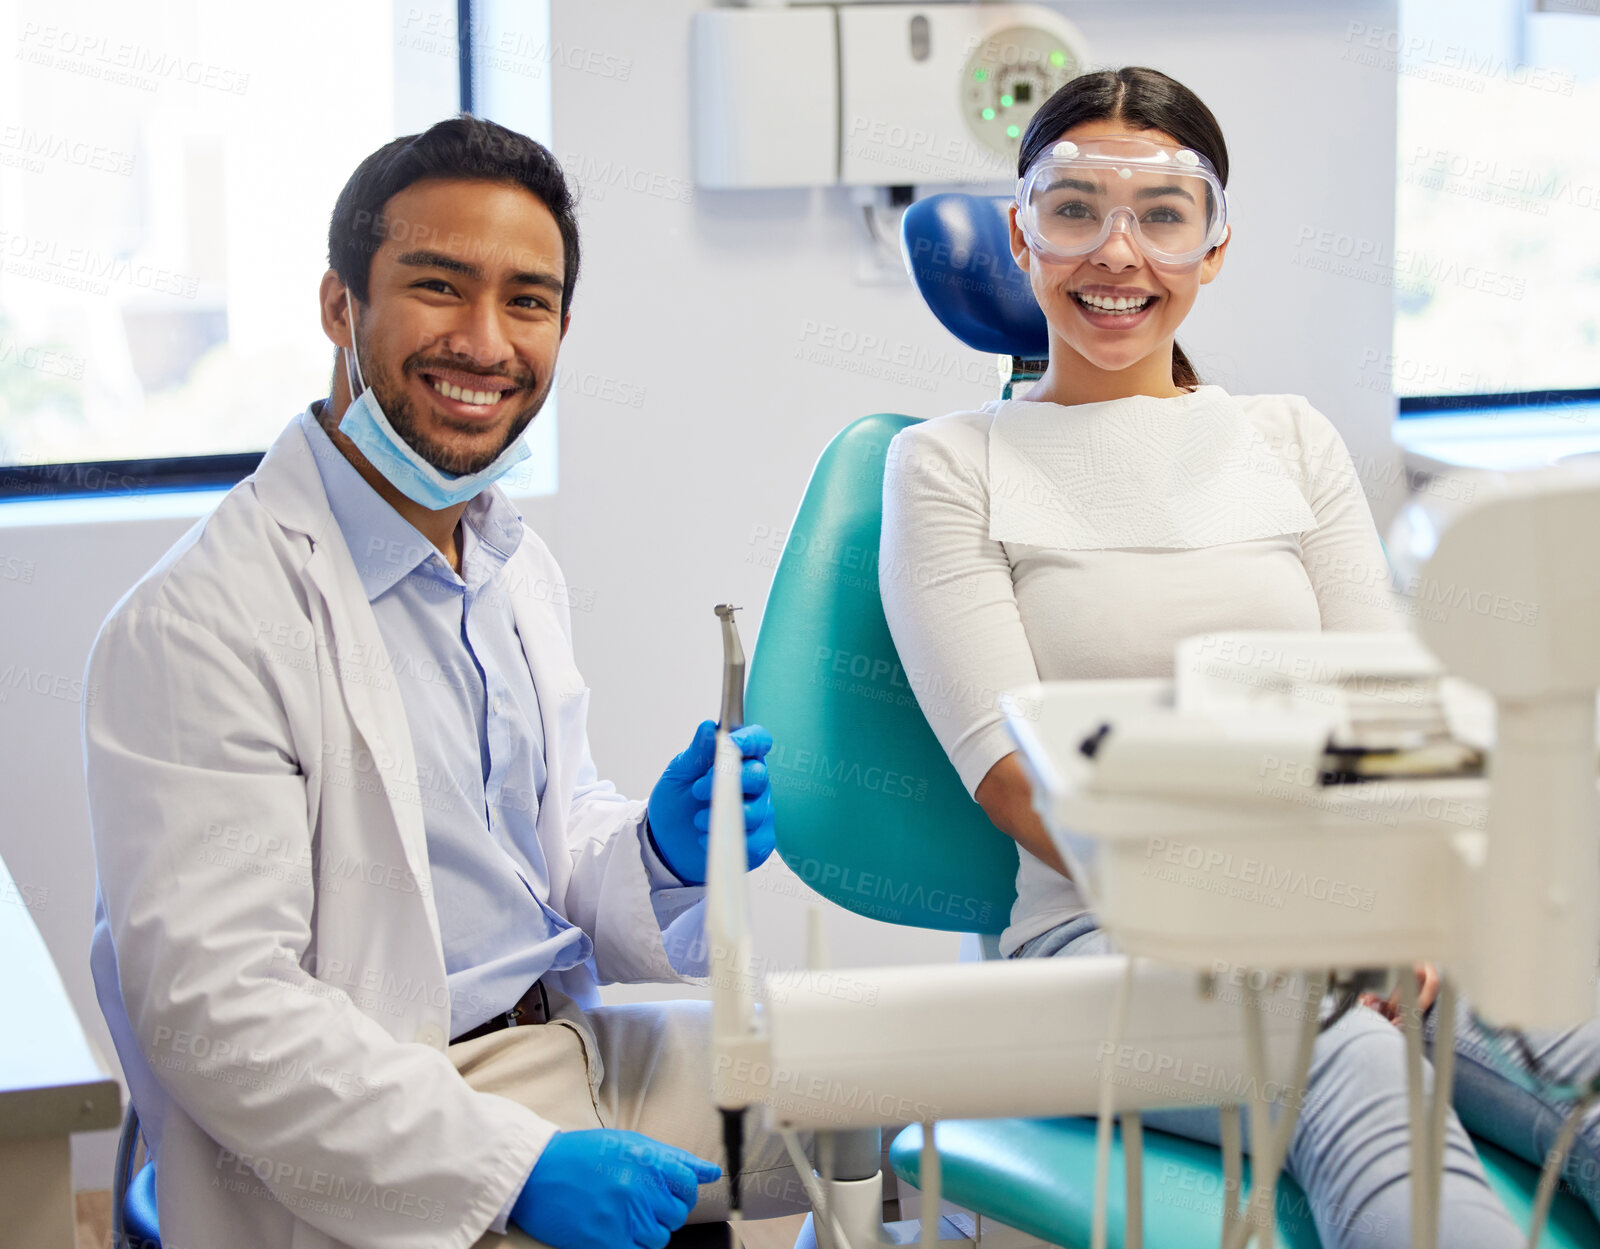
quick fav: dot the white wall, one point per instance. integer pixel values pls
(699, 386)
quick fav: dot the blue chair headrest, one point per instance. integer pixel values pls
(958, 251)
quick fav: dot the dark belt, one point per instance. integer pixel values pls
(533, 1008)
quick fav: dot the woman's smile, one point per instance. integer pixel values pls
(1114, 307)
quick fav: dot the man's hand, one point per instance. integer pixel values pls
(680, 803)
(609, 1189)
(1427, 990)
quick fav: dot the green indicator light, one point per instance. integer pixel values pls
(1006, 101)
(1058, 58)
(1013, 131)
(988, 114)
(979, 75)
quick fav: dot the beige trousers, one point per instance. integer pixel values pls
(644, 1067)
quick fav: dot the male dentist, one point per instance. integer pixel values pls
(358, 878)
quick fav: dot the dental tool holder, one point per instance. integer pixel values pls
(1204, 838)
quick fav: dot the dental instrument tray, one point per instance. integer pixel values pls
(1286, 799)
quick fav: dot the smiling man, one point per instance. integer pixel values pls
(358, 877)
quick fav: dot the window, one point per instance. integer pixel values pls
(167, 170)
(1497, 250)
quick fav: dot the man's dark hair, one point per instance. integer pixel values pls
(462, 147)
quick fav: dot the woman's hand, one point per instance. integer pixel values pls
(1427, 991)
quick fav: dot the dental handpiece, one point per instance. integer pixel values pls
(732, 671)
(732, 717)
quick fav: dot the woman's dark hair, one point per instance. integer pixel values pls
(460, 147)
(1144, 99)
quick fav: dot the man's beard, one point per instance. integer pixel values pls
(402, 415)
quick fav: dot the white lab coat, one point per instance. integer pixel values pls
(267, 951)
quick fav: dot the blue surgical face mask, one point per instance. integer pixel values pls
(365, 424)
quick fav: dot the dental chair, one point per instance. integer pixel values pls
(872, 816)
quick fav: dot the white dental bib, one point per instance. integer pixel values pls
(1181, 473)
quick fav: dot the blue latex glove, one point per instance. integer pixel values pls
(609, 1189)
(680, 804)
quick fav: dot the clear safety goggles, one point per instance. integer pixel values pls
(1168, 199)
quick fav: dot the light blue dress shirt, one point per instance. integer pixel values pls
(473, 713)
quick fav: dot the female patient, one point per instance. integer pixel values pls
(1122, 506)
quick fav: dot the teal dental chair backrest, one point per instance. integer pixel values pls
(870, 812)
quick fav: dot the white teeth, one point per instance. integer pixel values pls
(1119, 304)
(481, 397)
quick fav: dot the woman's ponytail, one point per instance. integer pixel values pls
(1183, 373)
